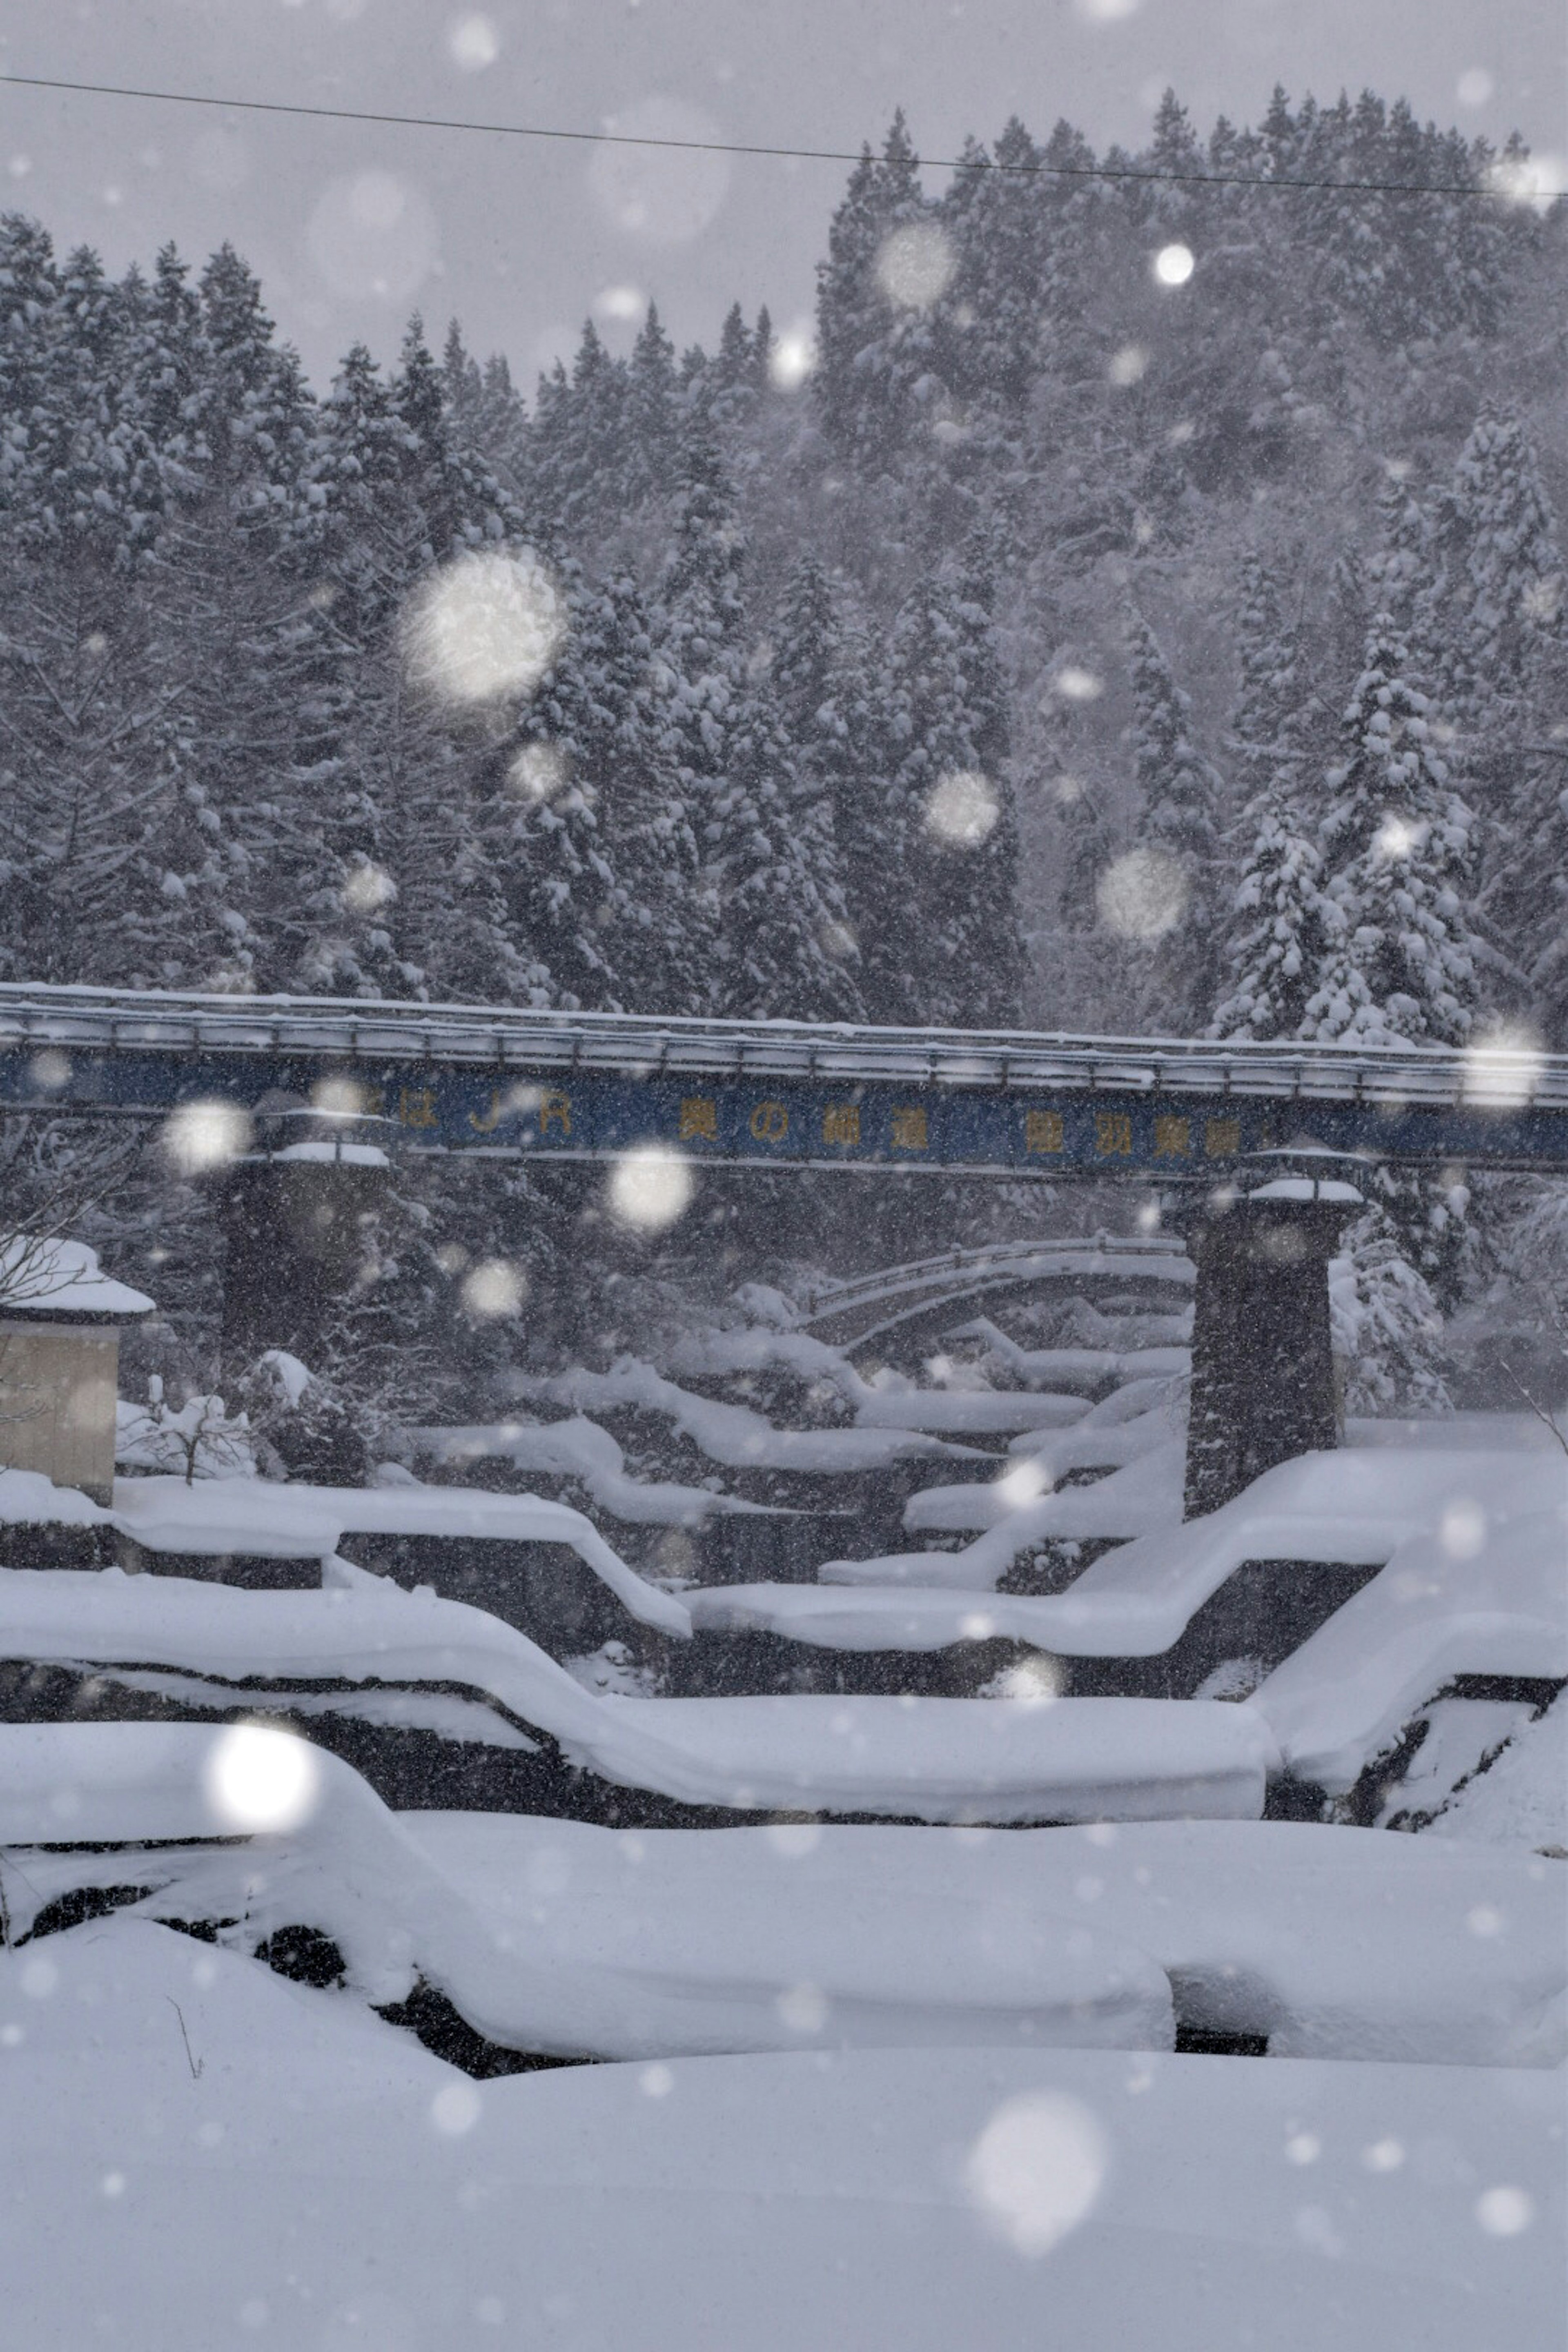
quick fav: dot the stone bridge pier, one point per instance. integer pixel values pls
(296, 1217)
(1263, 1374)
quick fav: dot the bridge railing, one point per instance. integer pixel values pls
(100, 1021)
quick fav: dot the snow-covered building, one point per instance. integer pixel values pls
(61, 1320)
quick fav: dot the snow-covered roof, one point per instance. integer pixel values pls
(1306, 1188)
(353, 1155)
(61, 1281)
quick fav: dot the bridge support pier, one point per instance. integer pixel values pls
(294, 1241)
(1263, 1375)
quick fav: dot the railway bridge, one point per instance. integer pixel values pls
(1255, 1146)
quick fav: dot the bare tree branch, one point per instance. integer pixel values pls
(1547, 1419)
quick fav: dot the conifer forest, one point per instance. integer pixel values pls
(1049, 651)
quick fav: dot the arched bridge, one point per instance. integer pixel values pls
(851, 1314)
(576, 1086)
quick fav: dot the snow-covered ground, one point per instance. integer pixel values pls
(578, 1448)
(732, 1434)
(932, 1759)
(1521, 1800)
(550, 1937)
(560, 1936)
(1470, 1545)
(867, 2083)
(1330, 1942)
(1136, 1436)
(1465, 1520)
(227, 1516)
(1356, 1505)
(1139, 1496)
(1476, 1584)
(207, 2156)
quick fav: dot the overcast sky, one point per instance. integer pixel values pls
(351, 227)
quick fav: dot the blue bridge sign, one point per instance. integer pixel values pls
(590, 1085)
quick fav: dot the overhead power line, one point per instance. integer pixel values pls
(734, 147)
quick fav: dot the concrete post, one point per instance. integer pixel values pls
(1263, 1372)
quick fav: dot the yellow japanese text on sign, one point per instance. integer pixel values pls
(1043, 1130)
(698, 1119)
(909, 1131)
(841, 1123)
(1113, 1134)
(1222, 1137)
(770, 1122)
(555, 1110)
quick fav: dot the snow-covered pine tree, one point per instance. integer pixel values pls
(1071, 204)
(1284, 927)
(501, 436)
(223, 578)
(547, 451)
(1181, 815)
(1547, 917)
(1402, 574)
(806, 642)
(1347, 611)
(404, 885)
(873, 346)
(783, 935)
(1500, 612)
(652, 413)
(157, 428)
(29, 288)
(251, 406)
(700, 638)
(1505, 596)
(149, 718)
(600, 858)
(1172, 204)
(763, 349)
(1399, 841)
(865, 730)
(729, 387)
(445, 753)
(1404, 271)
(461, 383)
(1407, 957)
(991, 321)
(1278, 925)
(68, 808)
(74, 418)
(702, 621)
(769, 866)
(807, 681)
(1265, 719)
(952, 799)
(1386, 1323)
(578, 447)
(626, 751)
